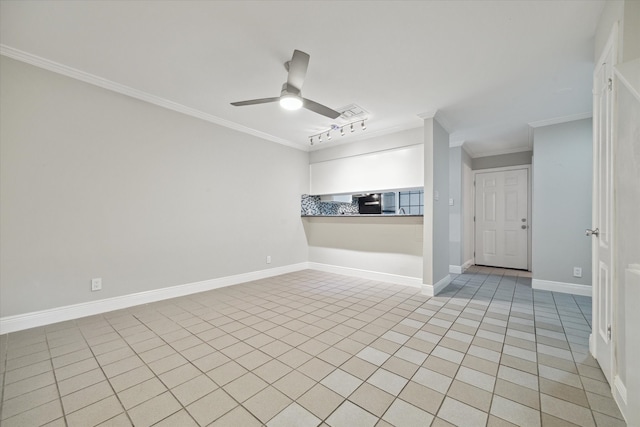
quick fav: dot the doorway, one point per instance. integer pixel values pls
(502, 217)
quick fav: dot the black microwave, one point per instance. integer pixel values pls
(370, 204)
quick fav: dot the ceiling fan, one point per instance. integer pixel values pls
(291, 96)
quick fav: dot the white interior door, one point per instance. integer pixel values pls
(502, 205)
(602, 233)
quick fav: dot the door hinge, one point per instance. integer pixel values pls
(609, 332)
(474, 218)
(610, 84)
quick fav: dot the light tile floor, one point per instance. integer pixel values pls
(311, 348)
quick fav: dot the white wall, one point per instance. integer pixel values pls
(562, 202)
(399, 168)
(387, 162)
(387, 245)
(96, 184)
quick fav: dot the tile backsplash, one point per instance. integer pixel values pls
(312, 205)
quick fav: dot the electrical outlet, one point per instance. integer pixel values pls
(577, 272)
(268, 259)
(96, 284)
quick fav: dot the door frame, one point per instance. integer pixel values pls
(610, 46)
(529, 205)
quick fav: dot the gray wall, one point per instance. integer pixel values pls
(97, 184)
(502, 160)
(436, 212)
(562, 174)
(461, 213)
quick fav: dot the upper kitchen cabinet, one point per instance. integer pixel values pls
(396, 168)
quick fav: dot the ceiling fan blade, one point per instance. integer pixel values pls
(255, 101)
(320, 109)
(298, 69)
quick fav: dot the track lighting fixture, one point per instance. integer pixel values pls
(335, 127)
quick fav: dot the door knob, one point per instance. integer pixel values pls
(592, 232)
(524, 227)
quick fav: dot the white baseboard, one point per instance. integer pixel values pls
(455, 269)
(415, 282)
(459, 269)
(620, 395)
(433, 290)
(565, 288)
(60, 314)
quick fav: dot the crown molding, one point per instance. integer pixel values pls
(428, 114)
(497, 152)
(563, 119)
(83, 76)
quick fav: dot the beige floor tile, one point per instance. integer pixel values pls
(267, 403)
(244, 387)
(476, 378)
(211, 407)
(603, 420)
(460, 414)
(551, 421)
(341, 382)
(441, 366)
(494, 421)
(566, 410)
(371, 398)
(28, 385)
(316, 368)
(226, 373)
(37, 416)
(359, 368)
(192, 390)
(564, 392)
(400, 367)
(480, 364)
(130, 378)
(272, 371)
(294, 384)
(320, 401)
(95, 413)
(422, 397)
(402, 413)
(518, 377)
(86, 396)
(294, 415)
(350, 415)
(28, 401)
(237, 417)
(605, 405)
(142, 392)
(432, 379)
(470, 395)
(520, 364)
(388, 381)
(514, 412)
(154, 410)
(210, 361)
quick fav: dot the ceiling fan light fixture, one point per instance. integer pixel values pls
(329, 136)
(342, 131)
(352, 127)
(290, 102)
(364, 127)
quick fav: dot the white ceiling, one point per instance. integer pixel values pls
(489, 68)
